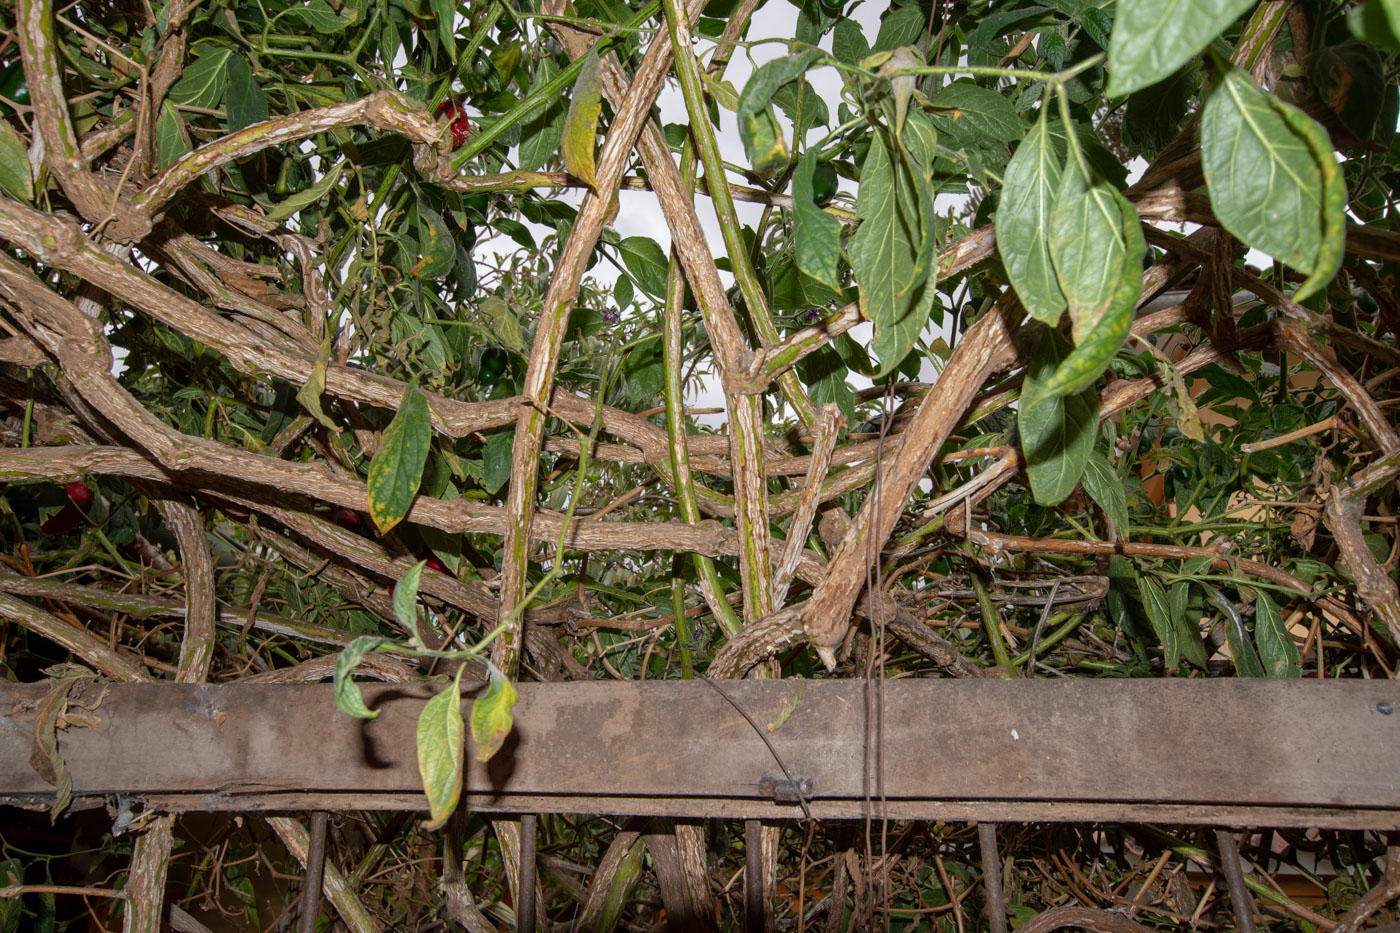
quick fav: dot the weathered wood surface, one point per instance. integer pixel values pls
(1223, 751)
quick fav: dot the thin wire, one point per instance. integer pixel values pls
(797, 788)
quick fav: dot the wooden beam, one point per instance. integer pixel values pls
(1282, 753)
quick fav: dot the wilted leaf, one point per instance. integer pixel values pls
(312, 195)
(1100, 305)
(406, 596)
(758, 127)
(347, 693)
(309, 395)
(581, 124)
(1246, 661)
(397, 469)
(437, 250)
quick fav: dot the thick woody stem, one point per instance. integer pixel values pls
(384, 111)
(986, 347)
(53, 124)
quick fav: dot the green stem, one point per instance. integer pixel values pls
(673, 346)
(1054, 638)
(991, 622)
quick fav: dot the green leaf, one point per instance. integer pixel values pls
(446, 14)
(976, 116)
(1153, 38)
(397, 469)
(903, 26)
(1264, 164)
(758, 127)
(889, 253)
(503, 323)
(1088, 245)
(203, 83)
(15, 176)
(1154, 600)
(581, 124)
(318, 15)
(1188, 629)
(722, 92)
(1057, 434)
(1085, 278)
(542, 133)
(347, 693)
(406, 597)
(491, 715)
(440, 734)
(1105, 487)
(496, 460)
(848, 43)
(1032, 181)
(171, 143)
(816, 234)
(312, 195)
(1276, 647)
(1246, 661)
(824, 375)
(647, 263)
(437, 249)
(1378, 22)
(244, 102)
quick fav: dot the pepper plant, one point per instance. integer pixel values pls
(1052, 338)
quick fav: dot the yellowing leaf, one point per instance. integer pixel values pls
(491, 715)
(581, 124)
(440, 732)
(309, 395)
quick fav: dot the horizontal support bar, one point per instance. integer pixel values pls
(1221, 751)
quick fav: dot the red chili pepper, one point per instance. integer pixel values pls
(461, 126)
(79, 501)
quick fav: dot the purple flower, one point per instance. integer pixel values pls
(612, 315)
